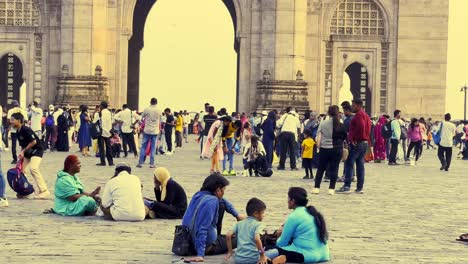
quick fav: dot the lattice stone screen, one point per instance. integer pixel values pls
(357, 17)
(18, 13)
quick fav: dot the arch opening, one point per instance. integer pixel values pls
(137, 43)
(358, 85)
(11, 79)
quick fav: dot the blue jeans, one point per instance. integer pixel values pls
(356, 155)
(151, 139)
(229, 145)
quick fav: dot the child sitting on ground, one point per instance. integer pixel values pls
(308, 154)
(252, 151)
(249, 245)
(116, 145)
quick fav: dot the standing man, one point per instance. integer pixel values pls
(395, 139)
(358, 139)
(447, 133)
(105, 119)
(15, 109)
(128, 120)
(152, 118)
(186, 119)
(349, 115)
(290, 129)
(201, 121)
(32, 152)
(170, 123)
(35, 115)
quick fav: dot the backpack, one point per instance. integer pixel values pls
(387, 130)
(262, 167)
(50, 122)
(18, 182)
(404, 132)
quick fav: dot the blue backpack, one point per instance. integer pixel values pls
(18, 182)
(50, 122)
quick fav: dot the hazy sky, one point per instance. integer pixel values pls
(189, 58)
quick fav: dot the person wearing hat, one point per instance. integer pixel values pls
(15, 109)
(122, 199)
(171, 200)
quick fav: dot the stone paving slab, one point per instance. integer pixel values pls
(408, 214)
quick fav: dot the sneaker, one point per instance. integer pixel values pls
(316, 191)
(152, 214)
(245, 173)
(280, 168)
(294, 169)
(7, 149)
(233, 172)
(139, 166)
(101, 164)
(306, 177)
(43, 195)
(344, 190)
(168, 153)
(341, 179)
(3, 202)
(29, 197)
(331, 191)
(152, 166)
(225, 173)
(14, 161)
(359, 191)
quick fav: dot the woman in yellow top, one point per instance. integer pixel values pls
(179, 127)
(308, 154)
(229, 135)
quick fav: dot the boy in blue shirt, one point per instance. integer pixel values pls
(249, 245)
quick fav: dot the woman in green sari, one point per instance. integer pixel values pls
(70, 197)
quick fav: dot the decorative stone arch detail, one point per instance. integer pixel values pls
(20, 57)
(19, 13)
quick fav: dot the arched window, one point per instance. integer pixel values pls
(21, 13)
(357, 17)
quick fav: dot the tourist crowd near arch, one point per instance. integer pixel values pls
(288, 52)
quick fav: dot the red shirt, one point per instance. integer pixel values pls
(360, 127)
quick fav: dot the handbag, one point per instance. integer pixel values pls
(95, 130)
(269, 240)
(182, 245)
(437, 136)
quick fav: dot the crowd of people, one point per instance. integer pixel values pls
(343, 135)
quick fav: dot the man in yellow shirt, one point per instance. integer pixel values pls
(179, 128)
(307, 154)
(229, 143)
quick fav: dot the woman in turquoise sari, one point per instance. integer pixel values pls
(303, 237)
(70, 197)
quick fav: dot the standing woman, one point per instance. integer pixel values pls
(379, 140)
(62, 143)
(423, 127)
(84, 138)
(268, 140)
(213, 147)
(332, 133)
(415, 137)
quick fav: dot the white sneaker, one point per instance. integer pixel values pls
(331, 191)
(43, 195)
(245, 173)
(3, 202)
(6, 149)
(169, 153)
(316, 191)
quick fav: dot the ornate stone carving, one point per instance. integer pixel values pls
(279, 94)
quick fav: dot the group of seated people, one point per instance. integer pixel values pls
(121, 199)
(302, 238)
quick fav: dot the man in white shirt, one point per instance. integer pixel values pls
(122, 199)
(152, 118)
(105, 119)
(187, 121)
(128, 120)
(35, 115)
(15, 109)
(290, 125)
(447, 133)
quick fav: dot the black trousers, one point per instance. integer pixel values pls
(178, 136)
(393, 150)
(287, 144)
(101, 142)
(329, 161)
(129, 139)
(291, 256)
(168, 135)
(5, 137)
(50, 138)
(14, 139)
(417, 149)
(116, 148)
(308, 166)
(445, 156)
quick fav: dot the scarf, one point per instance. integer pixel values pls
(163, 176)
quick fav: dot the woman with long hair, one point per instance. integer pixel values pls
(379, 144)
(304, 237)
(213, 148)
(84, 137)
(415, 137)
(332, 133)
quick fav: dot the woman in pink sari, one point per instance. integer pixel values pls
(214, 146)
(379, 145)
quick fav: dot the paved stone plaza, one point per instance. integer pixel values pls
(407, 215)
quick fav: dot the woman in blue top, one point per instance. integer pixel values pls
(303, 237)
(84, 137)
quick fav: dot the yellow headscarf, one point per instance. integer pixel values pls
(163, 176)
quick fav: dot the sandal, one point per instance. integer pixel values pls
(463, 238)
(49, 211)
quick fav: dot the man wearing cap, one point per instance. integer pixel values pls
(122, 199)
(15, 109)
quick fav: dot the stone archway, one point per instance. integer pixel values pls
(136, 44)
(359, 84)
(11, 78)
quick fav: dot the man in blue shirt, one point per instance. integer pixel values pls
(204, 218)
